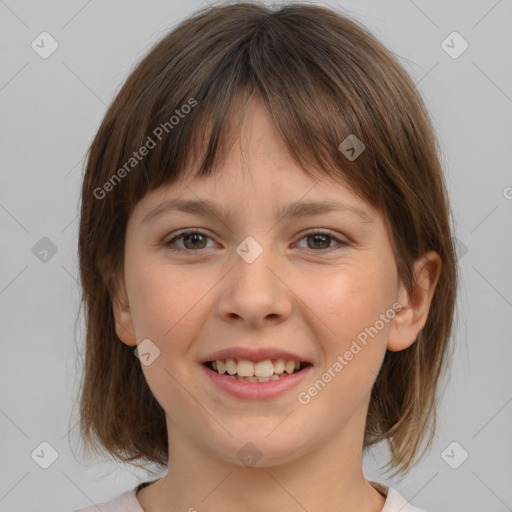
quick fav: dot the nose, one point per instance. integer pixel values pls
(255, 291)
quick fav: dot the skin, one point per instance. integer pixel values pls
(312, 297)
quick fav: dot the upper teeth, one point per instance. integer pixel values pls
(246, 368)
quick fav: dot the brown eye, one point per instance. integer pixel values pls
(193, 239)
(320, 240)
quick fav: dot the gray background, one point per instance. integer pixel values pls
(50, 110)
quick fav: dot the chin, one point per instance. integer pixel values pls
(255, 448)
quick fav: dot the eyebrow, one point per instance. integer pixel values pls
(206, 207)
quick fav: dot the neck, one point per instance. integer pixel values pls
(326, 477)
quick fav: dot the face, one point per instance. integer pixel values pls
(309, 285)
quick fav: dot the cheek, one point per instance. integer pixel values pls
(161, 301)
(348, 301)
(165, 311)
(348, 304)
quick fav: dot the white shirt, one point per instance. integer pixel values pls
(127, 502)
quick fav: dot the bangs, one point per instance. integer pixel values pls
(188, 115)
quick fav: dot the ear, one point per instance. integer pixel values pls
(408, 322)
(123, 318)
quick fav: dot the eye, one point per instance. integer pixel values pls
(320, 240)
(195, 239)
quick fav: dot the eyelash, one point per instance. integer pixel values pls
(193, 231)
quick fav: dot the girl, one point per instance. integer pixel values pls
(267, 267)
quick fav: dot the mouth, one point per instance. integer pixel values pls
(268, 370)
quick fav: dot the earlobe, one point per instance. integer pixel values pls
(124, 323)
(115, 284)
(411, 319)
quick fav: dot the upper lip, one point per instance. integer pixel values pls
(253, 354)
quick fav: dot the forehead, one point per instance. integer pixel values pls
(256, 171)
(220, 195)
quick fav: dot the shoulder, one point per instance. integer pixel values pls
(395, 502)
(125, 502)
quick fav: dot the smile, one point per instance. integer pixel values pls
(256, 380)
(256, 371)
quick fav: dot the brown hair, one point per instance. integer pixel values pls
(322, 77)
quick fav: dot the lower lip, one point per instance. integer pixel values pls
(256, 390)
